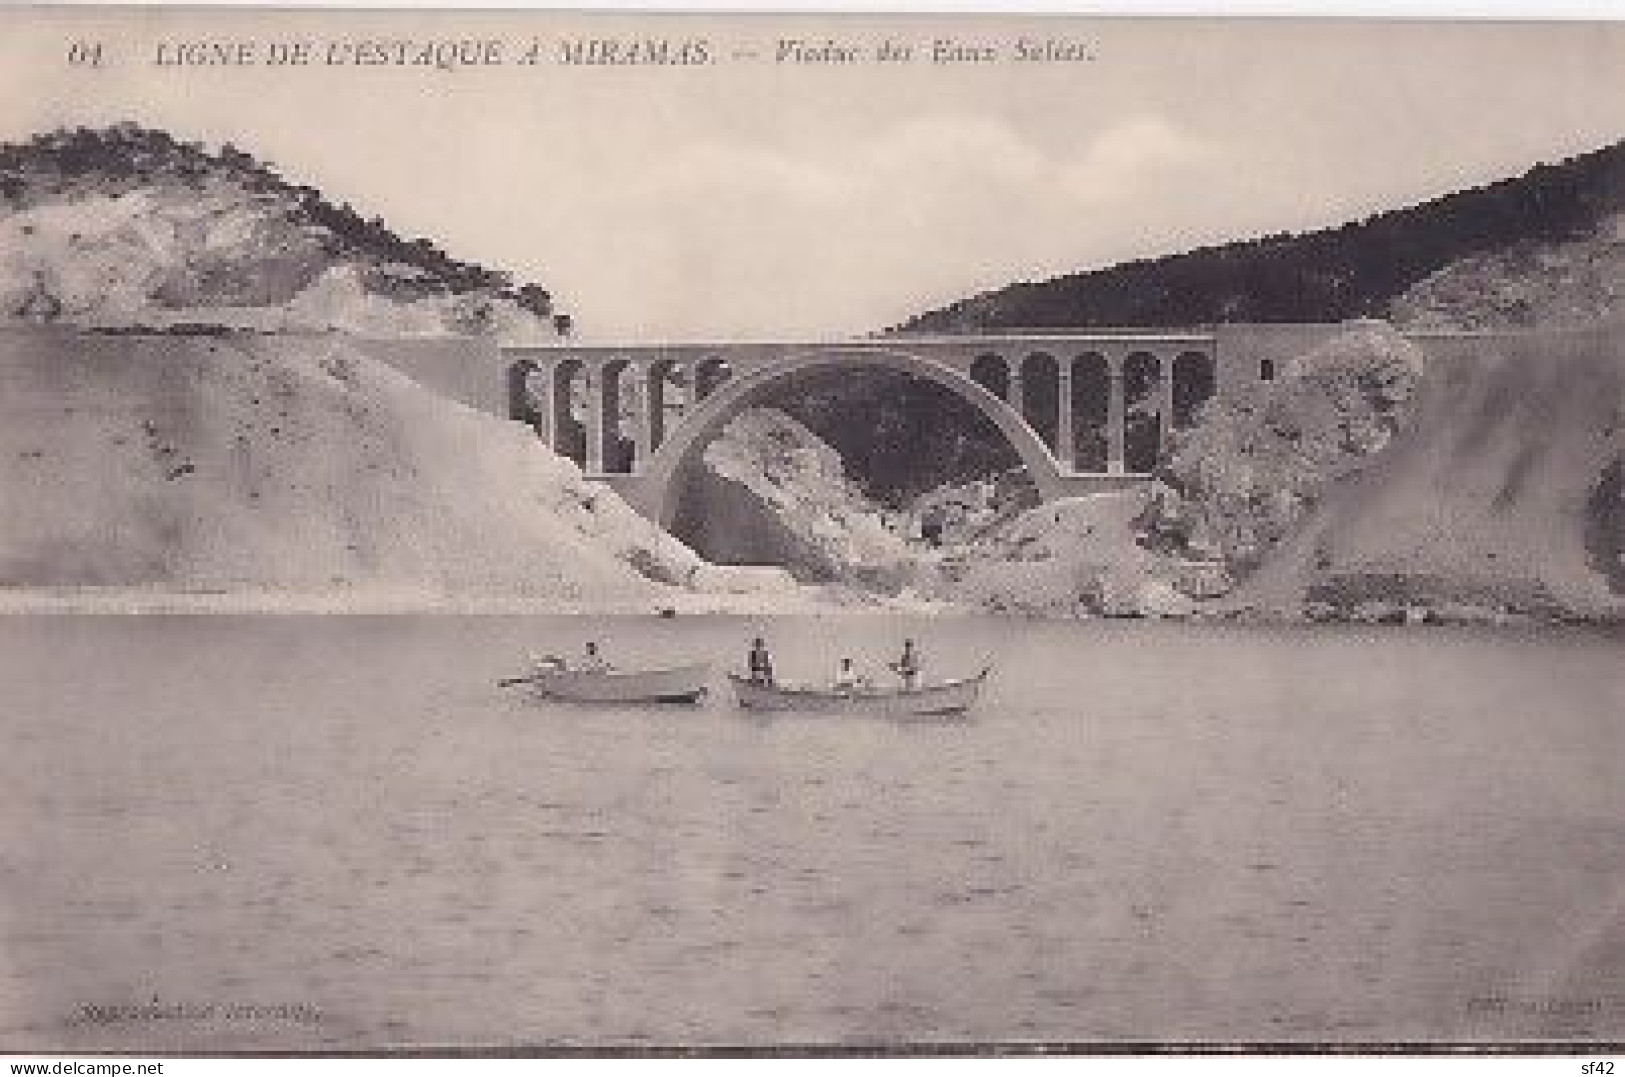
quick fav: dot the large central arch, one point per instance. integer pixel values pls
(739, 393)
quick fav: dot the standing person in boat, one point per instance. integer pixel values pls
(592, 661)
(760, 663)
(908, 665)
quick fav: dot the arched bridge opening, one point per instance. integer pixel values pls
(670, 475)
(897, 437)
(1080, 412)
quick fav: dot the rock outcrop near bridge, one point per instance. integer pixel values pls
(1245, 476)
(770, 491)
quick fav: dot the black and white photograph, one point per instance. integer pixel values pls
(644, 533)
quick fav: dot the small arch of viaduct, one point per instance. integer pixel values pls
(1084, 412)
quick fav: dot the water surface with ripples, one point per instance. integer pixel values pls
(320, 832)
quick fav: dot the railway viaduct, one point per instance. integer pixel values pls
(1084, 411)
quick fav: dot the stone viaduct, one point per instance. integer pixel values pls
(1084, 411)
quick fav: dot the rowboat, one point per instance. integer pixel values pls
(677, 684)
(926, 700)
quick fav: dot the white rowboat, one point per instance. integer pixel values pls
(945, 698)
(679, 684)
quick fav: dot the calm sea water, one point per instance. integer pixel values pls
(336, 832)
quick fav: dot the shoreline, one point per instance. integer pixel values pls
(802, 602)
(137, 601)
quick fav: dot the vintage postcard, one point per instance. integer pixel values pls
(543, 531)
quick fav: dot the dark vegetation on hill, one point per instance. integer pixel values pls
(1357, 270)
(66, 165)
(900, 436)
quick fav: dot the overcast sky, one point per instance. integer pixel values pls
(750, 199)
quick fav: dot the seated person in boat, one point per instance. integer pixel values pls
(848, 679)
(592, 661)
(540, 665)
(908, 666)
(760, 663)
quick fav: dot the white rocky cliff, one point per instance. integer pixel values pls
(244, 460)
(774, 493)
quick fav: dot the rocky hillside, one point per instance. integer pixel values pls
(1572, 281)
(1544, 248)
(130, 226)
(1470, 479)
(1245, 476)
(245, 460)
(1501, 493)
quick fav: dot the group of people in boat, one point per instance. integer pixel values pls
(759, 666)
(908, 667)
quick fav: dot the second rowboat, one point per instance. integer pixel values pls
(944, 699)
